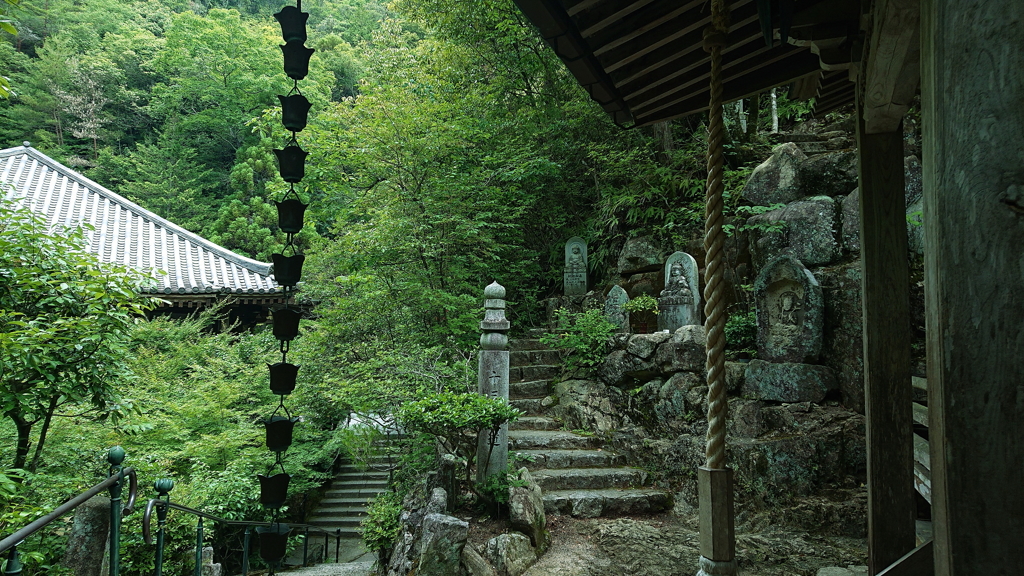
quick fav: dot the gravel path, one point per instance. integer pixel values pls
(350, 569)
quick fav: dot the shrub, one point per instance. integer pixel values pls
(583, 336)
(380, 527)
(741, 333)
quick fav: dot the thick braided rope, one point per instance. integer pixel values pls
(714, 240)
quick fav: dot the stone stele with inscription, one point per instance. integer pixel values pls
(575, 277)
(790, 312)
(613, 309)
(679, 304)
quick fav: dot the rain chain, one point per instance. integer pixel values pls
(287, 272)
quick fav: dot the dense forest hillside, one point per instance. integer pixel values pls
(449, 148)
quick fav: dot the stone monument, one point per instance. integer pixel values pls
(679, 304)
(492, 379)
(790, 312)
(575, 277)
(613, 310)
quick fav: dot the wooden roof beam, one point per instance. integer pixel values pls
(892, 70)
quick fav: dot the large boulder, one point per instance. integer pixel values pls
(510, 554)
(787, 381)
(805, 230)
(685, 351)
(586, 404)
(829, 174)
(850, 210)
(475, 564)
(441, 547)
(777, 179)
(842, 347)
(87, 541)
(526, 511)
(640, 255)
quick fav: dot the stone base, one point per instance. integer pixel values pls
(712, 568)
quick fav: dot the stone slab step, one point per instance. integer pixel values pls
(589, 478)
(334, 522)
(340, 509)
(528, 406)
(346, 531)
(536, 372)
(555, 459)
(527, 344)
(552, 439)
(532, 357)
(535, 423)
(594, 503)
(347, 501)
(359, 475)
(530, 389)
(358, 492)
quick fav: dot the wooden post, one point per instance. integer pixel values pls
(973, 161)
(886, 304)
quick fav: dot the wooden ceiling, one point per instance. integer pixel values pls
(643, 60)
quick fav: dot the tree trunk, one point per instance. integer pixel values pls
(24, 439)
(42, 433)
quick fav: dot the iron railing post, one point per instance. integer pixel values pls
(13, 562)
(245, 551)
(115, 456)
(305, 547)
(163, 486)
(337, 546)
(199, 548)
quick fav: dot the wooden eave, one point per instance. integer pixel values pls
(643, 60)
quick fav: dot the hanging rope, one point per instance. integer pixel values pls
(714, 241)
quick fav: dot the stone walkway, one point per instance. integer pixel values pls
(350, 569)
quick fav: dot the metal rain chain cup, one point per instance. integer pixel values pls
(287, 273)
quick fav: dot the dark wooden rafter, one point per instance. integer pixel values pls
(643, 60)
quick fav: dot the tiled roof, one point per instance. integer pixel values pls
(126, 233)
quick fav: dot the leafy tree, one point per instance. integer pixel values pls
(65, 318)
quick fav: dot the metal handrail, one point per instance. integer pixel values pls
(39, 523)
(162, 506)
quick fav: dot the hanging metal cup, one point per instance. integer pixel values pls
(273, 542)
(296, 59)
(279, 432)
(273, 489)
(292, 163)
(294, 111)
(282, 377)
(287, 269)
(286, 323)
(289, 215)
(293, 23)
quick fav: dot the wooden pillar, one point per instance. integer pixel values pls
(973, 126)
(886, 304)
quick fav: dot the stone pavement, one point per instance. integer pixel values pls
(349, 569)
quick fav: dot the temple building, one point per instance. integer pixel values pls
(190, 272)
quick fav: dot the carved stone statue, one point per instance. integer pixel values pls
(575, 276)
(679, 301)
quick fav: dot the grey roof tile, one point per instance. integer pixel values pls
(126, 233)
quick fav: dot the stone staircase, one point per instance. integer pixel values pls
(344, 503)
(578, 474)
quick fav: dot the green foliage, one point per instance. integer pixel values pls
(584, 336)
(456, 419)
(495, 488)
(743, 213)
(64, 324)
(642, 303)
(741, 333)
(381, 526)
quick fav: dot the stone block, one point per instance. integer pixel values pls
(685, 351)
(510, 554)
(639, 255)
(805, 229)
(829, 174)
(441, 546)
(475, 564)
(87, 542)
(777, 179)
(644, 345)
(526, 511)
(788, 381)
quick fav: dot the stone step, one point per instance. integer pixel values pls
(553, 439)
(528, 406)
(555, 459)
(535, 423)
(340, 509)
(530, 389)
(812, 147)
(346, 531)
(334, 522)
(589, 478)
(359, 475)
(347, 500)
(537, 372)
(533, 357)
(354, 492)
(594, 503)
(527, 344)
